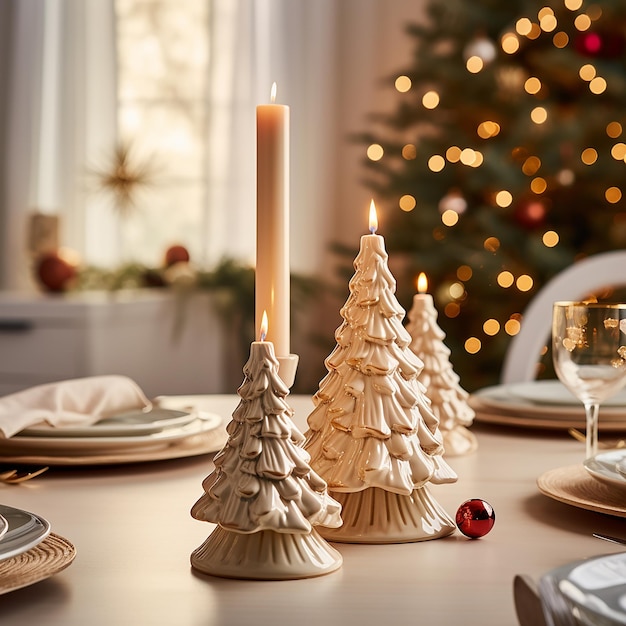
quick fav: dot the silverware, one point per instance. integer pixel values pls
(621, 443)
(610, 538)
(13, 477)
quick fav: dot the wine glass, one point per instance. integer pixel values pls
(589, 354)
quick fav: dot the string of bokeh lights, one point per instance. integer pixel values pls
(452, 206)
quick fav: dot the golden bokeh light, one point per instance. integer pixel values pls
(560, 39)
(505, 279)
(449, 217)
(535, 31)
(464, 272)
(545, 12)
(524, 282)
(488, 129)
(597, 85)
(531, 165)
(614, 129)
(491, 244)
(532, 85)
(548, 23)
(456, 290)
(512, 327)
(618, 151)
(407, 203)
(589, 156)
(503, 198)
(510, 43)
(403, 84)
(550, 238)
(474, 64)
(491, 327)
(452, 310)
(523, 26)
(587, 72)
(468, 156)
(430, 100)
(538, 185)
(453, 154)
(472, 345)
(613, 195)
(409, 152)
(573, 5)
(539, 115)
(436, 163)
(582, 22)
(375, 152)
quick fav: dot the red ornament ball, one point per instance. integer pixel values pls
(475, 518)
(55, 273)
(176, 254)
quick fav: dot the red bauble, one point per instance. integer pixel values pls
(176, 254)
(475, 518)
(607, 45)
(530, 213)
(55, 273)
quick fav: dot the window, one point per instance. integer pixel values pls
(162, 62)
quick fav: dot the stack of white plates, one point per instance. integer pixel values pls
(22, 531)
(29, 552)
(159, 433)
(543, 404)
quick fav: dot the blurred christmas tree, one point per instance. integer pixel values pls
(504, 160)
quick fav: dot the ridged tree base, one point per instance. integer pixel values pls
(265, 555)
(459, 441)
(378, 516)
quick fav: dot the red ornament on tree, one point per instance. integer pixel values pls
(475, 518)
(605, 45)
(530, 213)
(55, 273)
(176, 254)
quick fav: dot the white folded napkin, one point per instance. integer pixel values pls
(76, 402)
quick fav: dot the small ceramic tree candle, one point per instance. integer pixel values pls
(372, 435)
(449, 401)
(263, 495)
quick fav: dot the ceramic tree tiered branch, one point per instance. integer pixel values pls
(449, 401)
(263, 495)
(372, 435)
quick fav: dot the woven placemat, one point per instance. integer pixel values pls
(49, 557)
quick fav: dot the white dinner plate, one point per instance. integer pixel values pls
(555, 392)
(25, 531)
(131, 423)
(4, 526)
(508, 398)
(603, 467)
(100, 445)
(594, 589)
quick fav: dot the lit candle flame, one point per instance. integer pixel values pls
(264, 326)
(373, 218)
(273, 93)
(422, 283)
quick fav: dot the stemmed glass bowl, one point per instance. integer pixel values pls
(589, 354)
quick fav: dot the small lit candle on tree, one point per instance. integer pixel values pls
(449, 401)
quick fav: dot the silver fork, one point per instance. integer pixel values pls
(13, 477)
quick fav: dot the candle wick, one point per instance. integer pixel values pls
(372, 230)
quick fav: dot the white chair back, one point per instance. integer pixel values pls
(590, 275)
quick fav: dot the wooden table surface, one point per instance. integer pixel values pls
(134, 534)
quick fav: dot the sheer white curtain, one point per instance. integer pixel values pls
(60, 114)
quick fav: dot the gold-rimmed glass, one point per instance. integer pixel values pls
(589, 354)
